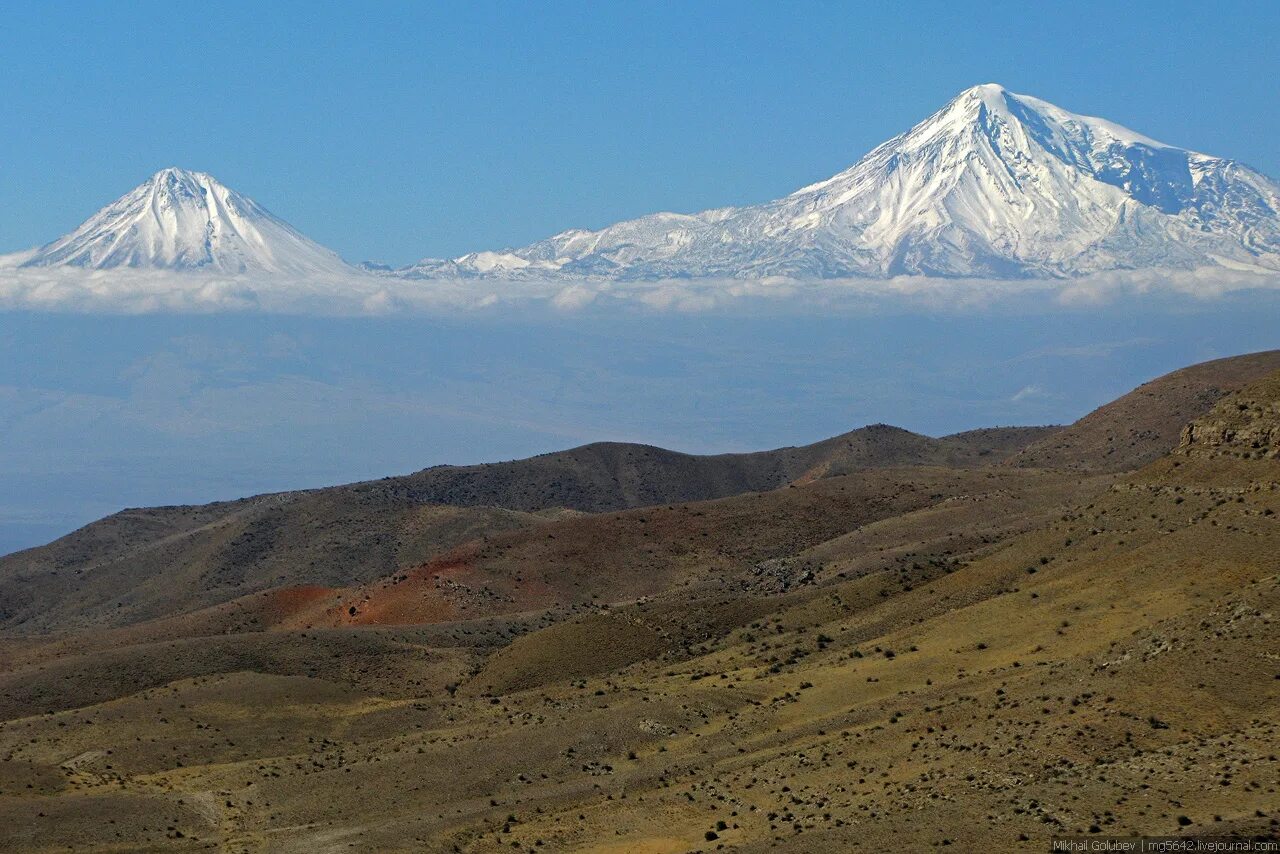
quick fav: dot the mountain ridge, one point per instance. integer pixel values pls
(123, 565)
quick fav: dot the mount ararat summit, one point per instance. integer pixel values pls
(994, 184)
(187, 221)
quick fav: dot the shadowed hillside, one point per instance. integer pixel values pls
(145, 563)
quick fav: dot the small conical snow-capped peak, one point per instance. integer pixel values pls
(994, 184)
(184, 220)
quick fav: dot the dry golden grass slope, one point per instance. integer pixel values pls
(915, 659)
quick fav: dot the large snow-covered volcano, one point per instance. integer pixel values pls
(994, 184)
(181, 220)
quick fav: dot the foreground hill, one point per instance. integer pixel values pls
(903, 657)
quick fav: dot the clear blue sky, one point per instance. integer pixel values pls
(393, 131)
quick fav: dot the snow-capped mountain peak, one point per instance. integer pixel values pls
(184, 220)
(995, 184)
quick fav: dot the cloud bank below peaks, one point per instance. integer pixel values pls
(124, 291)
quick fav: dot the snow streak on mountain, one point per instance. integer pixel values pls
(994, 185)
(180, 220)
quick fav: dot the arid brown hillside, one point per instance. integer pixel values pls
(147, 563)
(143, 564)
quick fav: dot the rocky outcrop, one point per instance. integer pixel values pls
(1245, 425)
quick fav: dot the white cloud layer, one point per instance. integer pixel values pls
(148, 292)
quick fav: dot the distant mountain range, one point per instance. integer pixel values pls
(993, 185)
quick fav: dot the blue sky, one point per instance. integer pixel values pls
(392, 131)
